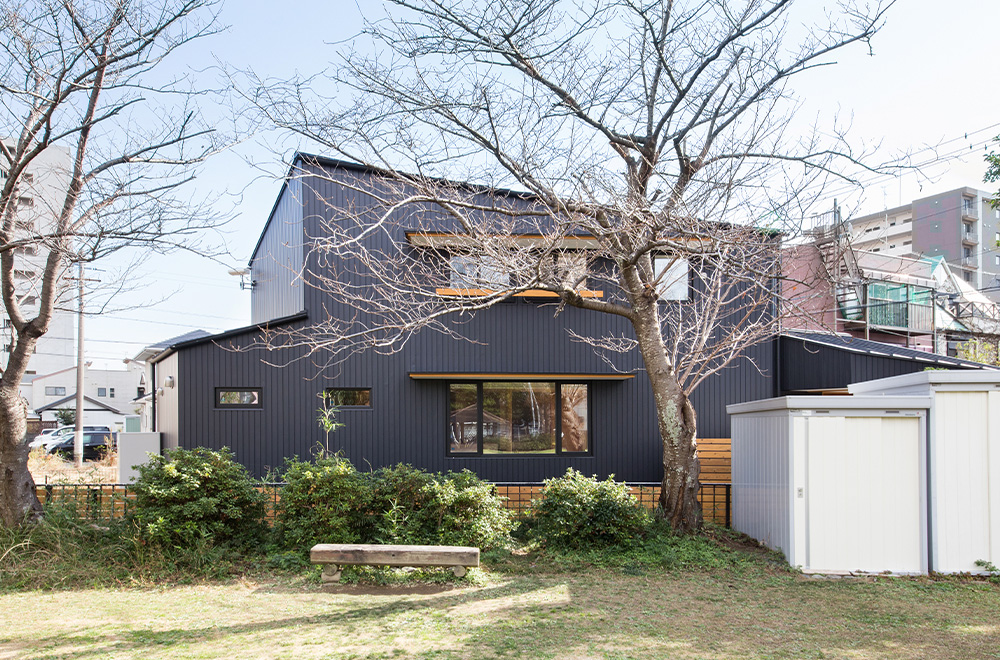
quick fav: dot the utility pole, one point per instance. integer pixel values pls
(80, 366)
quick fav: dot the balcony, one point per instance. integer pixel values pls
(901, 315)
(969, 210)
(969, 238)
(970, 262)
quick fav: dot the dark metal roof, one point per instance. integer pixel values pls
(867, 347)
(170, 350)
(187, 336)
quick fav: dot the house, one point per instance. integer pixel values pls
(512, 398)
(912, 301)
(108, 393)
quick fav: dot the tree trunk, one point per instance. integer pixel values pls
(677, 423)
(18, 501)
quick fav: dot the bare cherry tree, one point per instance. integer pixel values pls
(97, 144)
(655, 142)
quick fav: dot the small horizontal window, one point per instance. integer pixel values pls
(55, 391)
(348, 397)
(238, 397)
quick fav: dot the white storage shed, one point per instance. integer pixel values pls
(836, 483)
(964, 469)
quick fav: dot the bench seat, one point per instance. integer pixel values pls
(356, 554)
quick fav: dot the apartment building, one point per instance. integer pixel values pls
(959, 225)
(39, 199)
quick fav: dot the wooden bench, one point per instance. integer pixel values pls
(337, 555)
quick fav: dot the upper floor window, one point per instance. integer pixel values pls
(468, 272)
(102, 391)
(673, 277)
(55, 391)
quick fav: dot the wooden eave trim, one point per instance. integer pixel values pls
(530, 293)
(421, 375)
(447, 240)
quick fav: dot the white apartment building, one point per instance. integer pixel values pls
(39, 199)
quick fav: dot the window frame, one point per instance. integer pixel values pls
(479, 419)
(102, 391)
(218, 405)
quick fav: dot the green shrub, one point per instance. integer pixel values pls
(198, 498)
(456, 508)
(324, 502)
(577, 512)
(330, 502)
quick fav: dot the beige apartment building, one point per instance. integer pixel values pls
(959, 225)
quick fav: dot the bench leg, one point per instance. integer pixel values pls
(331, 573)
(459, 571)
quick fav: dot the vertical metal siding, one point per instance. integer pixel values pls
(278, 261)
(762, 480)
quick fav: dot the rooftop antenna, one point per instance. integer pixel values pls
(243, 273)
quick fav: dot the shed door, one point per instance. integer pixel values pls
(862, 490)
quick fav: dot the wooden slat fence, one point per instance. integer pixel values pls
(107, 501)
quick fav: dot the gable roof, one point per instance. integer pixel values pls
(173, 348)
(100, 405)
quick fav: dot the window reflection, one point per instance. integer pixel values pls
(519, 418)
(463, 426)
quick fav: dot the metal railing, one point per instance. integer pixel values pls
(102, 502)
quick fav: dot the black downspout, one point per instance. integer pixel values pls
(152, 388)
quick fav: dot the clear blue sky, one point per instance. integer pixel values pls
(931, 80)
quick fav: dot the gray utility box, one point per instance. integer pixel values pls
(134, 450)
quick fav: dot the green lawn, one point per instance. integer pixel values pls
(754, 612)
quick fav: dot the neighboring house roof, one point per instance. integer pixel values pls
(228, 334)
(100, 405)
(54, 373)
(153, 349)
(866, 347)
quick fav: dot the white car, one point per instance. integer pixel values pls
(51, 437)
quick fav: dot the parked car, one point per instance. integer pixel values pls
(51, 437)
(96, 444)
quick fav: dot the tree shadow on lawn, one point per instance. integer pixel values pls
(599, 615)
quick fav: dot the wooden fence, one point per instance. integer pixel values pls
(107, 501)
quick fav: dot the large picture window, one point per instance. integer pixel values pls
(518, 418)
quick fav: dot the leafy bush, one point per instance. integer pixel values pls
(198, 498)
(324, 502)
(330, 502)
(577, 512)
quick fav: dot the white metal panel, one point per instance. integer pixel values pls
(863, 494)
(761, 476)
(993, 483)
(960, 480)
(800, 518)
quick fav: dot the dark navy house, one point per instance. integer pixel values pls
(522, 403)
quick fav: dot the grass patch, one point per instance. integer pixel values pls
(86, 591)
